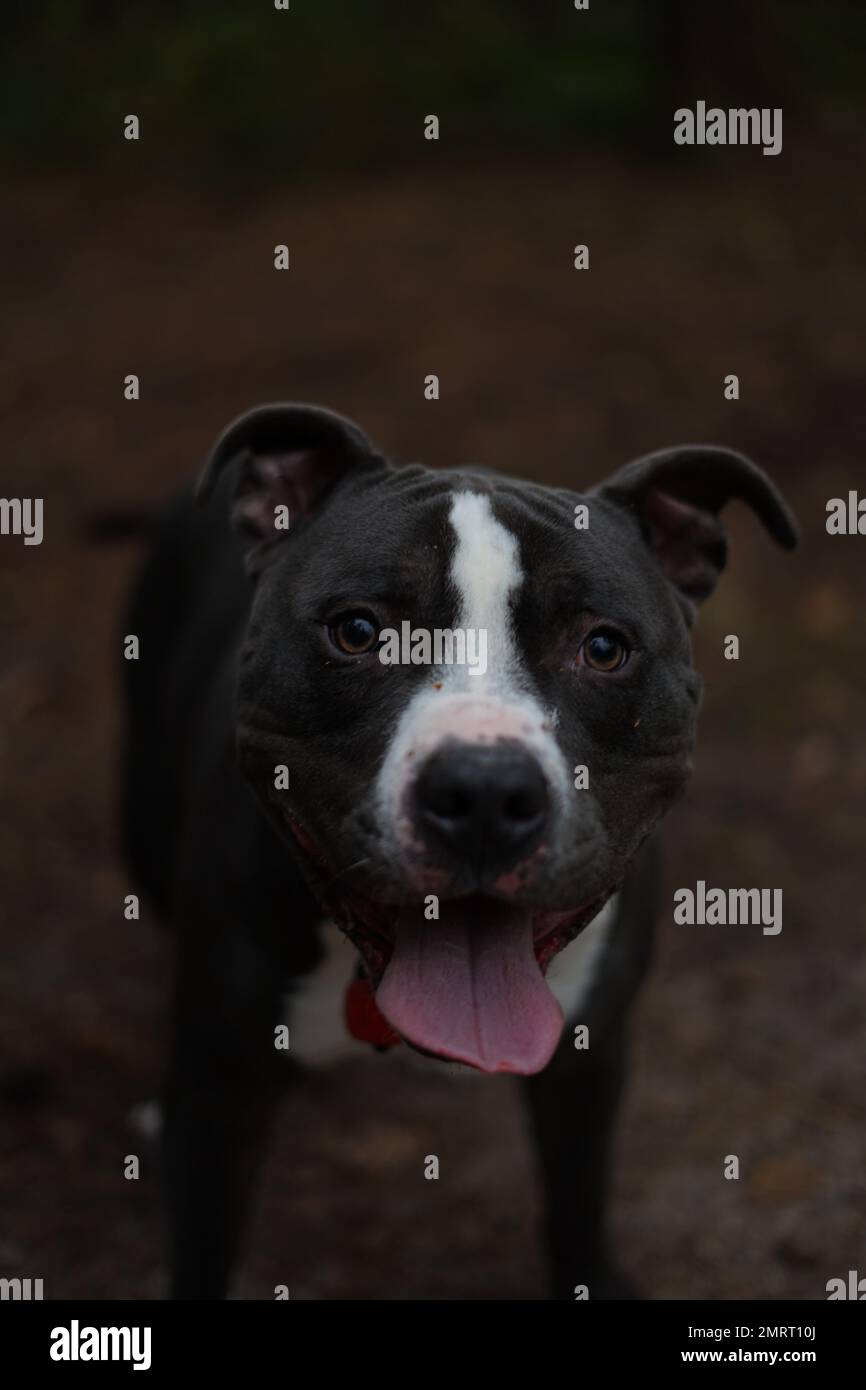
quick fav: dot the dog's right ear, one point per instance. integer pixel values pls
(676, 495)
(288, 458)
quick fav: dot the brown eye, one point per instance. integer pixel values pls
(605, 650)
(355, 634)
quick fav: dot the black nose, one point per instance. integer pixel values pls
(486, 803)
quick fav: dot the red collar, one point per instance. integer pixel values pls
(363, 1019)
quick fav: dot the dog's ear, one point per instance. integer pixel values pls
(677, 494)
(287, 459)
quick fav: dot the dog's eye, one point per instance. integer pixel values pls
(355, 634)
(605, 650)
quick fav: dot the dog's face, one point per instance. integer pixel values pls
(465, 809)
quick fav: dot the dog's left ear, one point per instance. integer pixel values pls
(677, 495)
(287, 458)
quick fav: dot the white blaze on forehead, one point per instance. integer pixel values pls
(485, 574)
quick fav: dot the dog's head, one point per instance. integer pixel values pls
(482, 694)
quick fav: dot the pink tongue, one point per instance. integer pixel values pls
(469, 987)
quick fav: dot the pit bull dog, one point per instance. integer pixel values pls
(483, 837)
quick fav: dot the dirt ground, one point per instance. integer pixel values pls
(743, 1044)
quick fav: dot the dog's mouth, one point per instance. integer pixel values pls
(466, 984)
(470, 985)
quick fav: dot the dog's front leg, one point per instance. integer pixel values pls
(223, 1081)
(573, 1105)
(573, 1102)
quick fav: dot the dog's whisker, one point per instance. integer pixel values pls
(359, 864)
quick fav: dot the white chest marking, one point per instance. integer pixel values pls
(315, 1009)
(571, 974)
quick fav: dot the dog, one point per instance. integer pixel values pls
(484, 838)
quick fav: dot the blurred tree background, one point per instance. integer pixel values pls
(503, 73)
(260, 127)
